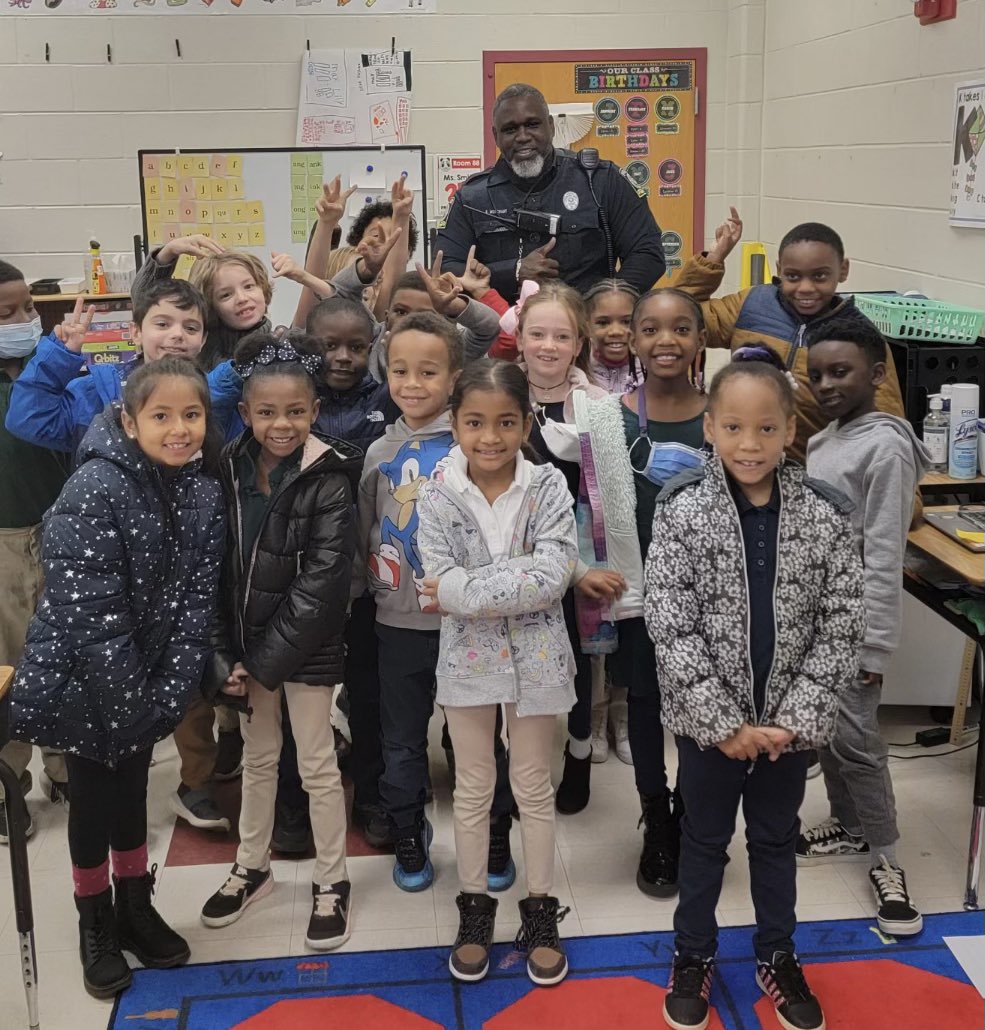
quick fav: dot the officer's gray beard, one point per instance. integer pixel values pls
(529, 169)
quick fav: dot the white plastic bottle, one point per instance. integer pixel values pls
(963, 450)
(946, 397)
(936, 430)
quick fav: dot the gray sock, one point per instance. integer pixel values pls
(887, 851)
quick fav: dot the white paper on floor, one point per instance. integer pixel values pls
(970, 953)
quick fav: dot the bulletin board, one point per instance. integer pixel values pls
(263, 200)
(647, 116)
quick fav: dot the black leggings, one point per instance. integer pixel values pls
(580, 717)
(108, 809)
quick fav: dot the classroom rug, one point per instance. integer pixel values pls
(866, 981)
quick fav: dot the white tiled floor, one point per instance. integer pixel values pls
(595, 868)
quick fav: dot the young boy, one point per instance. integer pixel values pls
(52, 405)
(811, 264)
(877, 460)
(32, 479)
(422, 369)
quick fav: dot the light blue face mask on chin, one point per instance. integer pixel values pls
(663, 460)
(19, 339)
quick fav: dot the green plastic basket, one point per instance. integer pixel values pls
(912, 318)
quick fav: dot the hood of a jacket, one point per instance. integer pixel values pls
(400, 431)
(859, 431)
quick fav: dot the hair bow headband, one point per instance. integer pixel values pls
(281, 353)
(754, 352)
(510, 321)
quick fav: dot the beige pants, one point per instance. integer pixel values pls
(531, 742)
(310, 709)
(21, 582)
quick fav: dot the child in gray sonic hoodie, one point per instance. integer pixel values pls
(877, 460)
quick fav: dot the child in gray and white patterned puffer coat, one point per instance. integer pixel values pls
(754, 602)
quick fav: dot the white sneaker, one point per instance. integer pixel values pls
(600, 739)
(619, 719)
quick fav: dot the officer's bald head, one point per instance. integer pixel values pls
(523, 129)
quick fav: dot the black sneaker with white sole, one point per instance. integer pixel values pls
(198, 808)
(895, 912)
(783, 981)
(688, 990)
(4, 829)
(329, 924)
(829, 841)
(242, 887)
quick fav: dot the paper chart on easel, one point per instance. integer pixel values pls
(354, 98)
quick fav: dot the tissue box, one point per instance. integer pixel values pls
(70, 285)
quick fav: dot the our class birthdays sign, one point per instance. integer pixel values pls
(216, 6)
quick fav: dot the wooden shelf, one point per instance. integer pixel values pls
(937, 479)
(48, 298)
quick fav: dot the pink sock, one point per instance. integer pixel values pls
(130, 863)
(89, 882)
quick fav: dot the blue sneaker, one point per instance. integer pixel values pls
(413, 870)
(500, 871)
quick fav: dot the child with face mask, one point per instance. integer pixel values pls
(33, 478)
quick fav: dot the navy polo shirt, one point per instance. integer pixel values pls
(760, 532)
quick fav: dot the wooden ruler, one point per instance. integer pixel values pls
(965, 675)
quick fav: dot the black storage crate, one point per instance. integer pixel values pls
(923, 368)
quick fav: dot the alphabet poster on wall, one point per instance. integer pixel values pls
(967, 186)
(640, 109)
(53, 7)
(354, 98)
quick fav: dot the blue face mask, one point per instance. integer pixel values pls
(18, 340)
(663, 460)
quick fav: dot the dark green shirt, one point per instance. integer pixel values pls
(253, 502)
(32, 476)
(691, 433)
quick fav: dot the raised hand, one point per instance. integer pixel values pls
(196, 245)
(374, 249)
(402, 200)
(727, 235)
(476, 279)
(444, 289)
(73, 332)
(330, 206)
(284, 266)
(537, 265)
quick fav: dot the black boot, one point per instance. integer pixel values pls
(104, 969)
(574, 789)
(657, 873)
(538, 937)
(141, 929)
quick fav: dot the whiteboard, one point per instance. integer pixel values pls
(263, 200)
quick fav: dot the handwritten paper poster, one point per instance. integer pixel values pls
(354, 97)
(967, 188)
(220, 7)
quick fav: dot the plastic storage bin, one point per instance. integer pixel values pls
(913, 318)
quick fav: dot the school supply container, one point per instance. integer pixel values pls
(913, 318)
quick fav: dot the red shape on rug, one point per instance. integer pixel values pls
(617, 1001)
(358, 1010)
(882, 994)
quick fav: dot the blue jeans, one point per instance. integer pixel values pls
(771, 794)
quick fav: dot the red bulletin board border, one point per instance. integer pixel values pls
(490, 58)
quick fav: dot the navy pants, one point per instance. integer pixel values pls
(407, 662)
(771, 794)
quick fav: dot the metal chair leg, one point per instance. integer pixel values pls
(17, 823)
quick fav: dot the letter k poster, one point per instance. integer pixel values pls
(643, 110)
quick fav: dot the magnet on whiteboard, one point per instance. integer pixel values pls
(570, 200)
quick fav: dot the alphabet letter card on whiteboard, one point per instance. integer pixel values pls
(354, 97)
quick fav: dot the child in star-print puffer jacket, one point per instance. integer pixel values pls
(116, 650)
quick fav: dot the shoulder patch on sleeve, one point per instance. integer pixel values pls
(641, 191)
(842, 502)
(686, 478)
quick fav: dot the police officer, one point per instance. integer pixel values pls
(506, 210)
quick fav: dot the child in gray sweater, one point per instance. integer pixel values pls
(877, 460)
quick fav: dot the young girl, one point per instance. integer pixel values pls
(235, 285)
(115, 653)
(609, 305)
(754, 602)
(552, 339)
(289, 563)
(497, 534)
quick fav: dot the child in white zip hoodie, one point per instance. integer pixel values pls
(877, 460)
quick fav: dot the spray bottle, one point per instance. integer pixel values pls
(97, 277)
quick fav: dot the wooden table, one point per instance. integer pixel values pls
(935, 483)
(970, 567)
(17, 821)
